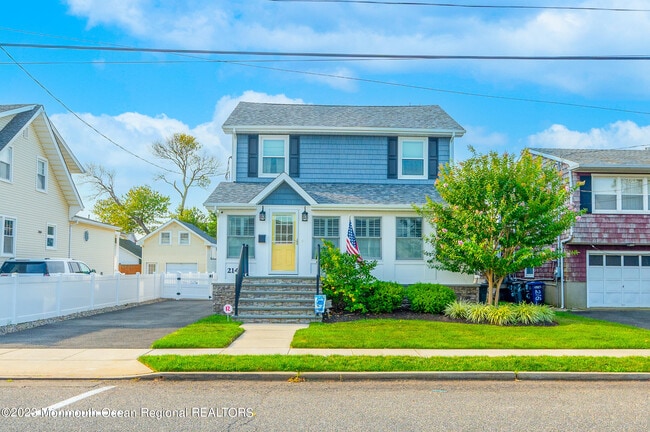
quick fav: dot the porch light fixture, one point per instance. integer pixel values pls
(305, 215)
(262, 214)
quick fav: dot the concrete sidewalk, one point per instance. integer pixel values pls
(258, 339)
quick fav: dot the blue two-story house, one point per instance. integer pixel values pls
(301, 173)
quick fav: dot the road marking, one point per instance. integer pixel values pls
(74, 399)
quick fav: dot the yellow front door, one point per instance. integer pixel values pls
(283, 243)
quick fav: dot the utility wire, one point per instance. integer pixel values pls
(333, 55)
(64, 105)
(468, 6)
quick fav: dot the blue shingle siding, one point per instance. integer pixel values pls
(338, 158)
(284, 195)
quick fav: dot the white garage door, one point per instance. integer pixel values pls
(181, 267)
(618, 280)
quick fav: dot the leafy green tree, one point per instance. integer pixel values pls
(199, 219)
(194, 166)
(499, 215)
(140, 210)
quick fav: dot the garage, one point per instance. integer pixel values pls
(618, 280)
(181, 268)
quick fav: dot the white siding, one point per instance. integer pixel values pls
(34, 210)
(99, 251)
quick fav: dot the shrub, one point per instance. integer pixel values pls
(477, 313)
(501, 315)
(457, 310)
(384, 297)
(345, 281)
(430, 298)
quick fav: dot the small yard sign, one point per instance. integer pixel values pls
(319, 303)
(227, 309)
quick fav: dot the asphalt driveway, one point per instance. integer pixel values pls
(633, 317)
(136, 327)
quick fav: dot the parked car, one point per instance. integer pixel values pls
(47, 266)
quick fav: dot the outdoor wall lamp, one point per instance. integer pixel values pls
(262, 214)
(305, 215)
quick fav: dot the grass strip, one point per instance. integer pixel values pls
(213, 331)
(337, 363)
(572, 332)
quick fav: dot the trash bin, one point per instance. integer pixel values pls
(482, 292)
(535, 292)
(517, 291)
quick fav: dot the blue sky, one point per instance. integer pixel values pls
(137, 98)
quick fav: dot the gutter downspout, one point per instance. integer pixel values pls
(451, 147)
(561, 244)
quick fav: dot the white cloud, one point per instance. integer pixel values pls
(136, 132)
(313, 27)
(483, 141)
(621, 134)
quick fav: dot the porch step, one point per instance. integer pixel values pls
(277, 300)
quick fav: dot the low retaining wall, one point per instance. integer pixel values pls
(222, 294)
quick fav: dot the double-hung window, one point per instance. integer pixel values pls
(274, 158)
(6, 161)
(50, 242)
(41, 175)
(368, 234)
(183, 238)
(166, 238)
(8, 239)
(241, 230)
(620, 194)
(412, 158)
(325, 229)
(408, 244)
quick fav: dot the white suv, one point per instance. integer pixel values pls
(47, 266)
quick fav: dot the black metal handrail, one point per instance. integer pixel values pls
(318, 271)
(242, 270)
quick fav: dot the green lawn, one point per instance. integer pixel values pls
(572, 332)
(214, 331)
(336, 363)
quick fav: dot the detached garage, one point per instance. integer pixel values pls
(618, 280)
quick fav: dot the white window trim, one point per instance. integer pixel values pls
(189, 238)
(619, 195)
(160, 238)
(421, 238)
(38, 160)
(425, 155)
(155, 267)
(260, 170)
(2, 236)
(54, 237)
(10, 150)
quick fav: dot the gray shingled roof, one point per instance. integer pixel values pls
(602, 158)
(16, 123)
(332, 193)
(294, 116)
(131, 247)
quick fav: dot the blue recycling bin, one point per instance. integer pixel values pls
(536, 292)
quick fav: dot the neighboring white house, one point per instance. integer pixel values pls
(178, 246)
(95, 243)
(39, 200)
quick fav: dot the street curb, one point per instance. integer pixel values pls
(583, 376)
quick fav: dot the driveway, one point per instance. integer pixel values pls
(136, 327)
(634, 317)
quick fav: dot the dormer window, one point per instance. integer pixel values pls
(413, 155)
(274, 158)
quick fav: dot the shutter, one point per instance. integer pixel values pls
(585, 193)
(253, 155)
(392, 157)
(294, 156)
(433, 158)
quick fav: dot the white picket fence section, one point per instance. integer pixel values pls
(32, 298)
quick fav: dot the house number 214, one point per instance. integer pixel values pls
(231, 270)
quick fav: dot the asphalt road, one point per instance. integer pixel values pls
(136, 327)
(326, 406)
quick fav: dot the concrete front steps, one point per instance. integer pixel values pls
(286, 299)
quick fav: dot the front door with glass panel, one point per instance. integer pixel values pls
(283, 243)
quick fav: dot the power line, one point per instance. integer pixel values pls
(468, 6)
(360, 56)
(64, 105)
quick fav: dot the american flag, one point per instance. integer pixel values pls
(351, 243)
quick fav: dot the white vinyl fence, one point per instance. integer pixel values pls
(30, 298)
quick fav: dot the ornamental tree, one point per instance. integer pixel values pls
(499, 215)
